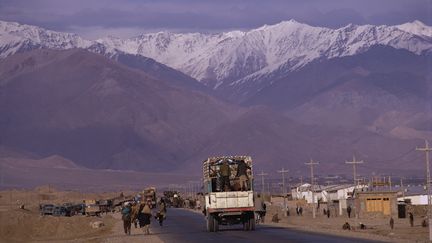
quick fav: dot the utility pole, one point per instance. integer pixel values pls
(311, 163)
(262, 174)
(402, 187)
(354, 162)
(283, 171)
(427, 149)
(390, 183)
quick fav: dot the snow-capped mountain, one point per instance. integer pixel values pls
(236, 58)
(16, 37)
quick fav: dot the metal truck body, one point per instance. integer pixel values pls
(232, 206)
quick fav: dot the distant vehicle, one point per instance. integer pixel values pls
(229, 206)
(150, 194)
(46, 209)
(91, 208)
(106, 205)
(168, 197)
(61, 211)
(75, 209)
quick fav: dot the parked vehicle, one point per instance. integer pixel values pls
(106, 205)
(228, 205)
(91, 208)
(46, 209)
(61, 211)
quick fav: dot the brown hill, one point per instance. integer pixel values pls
(357, 91)
(99, 113)
(276, 141)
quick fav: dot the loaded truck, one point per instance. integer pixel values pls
(149, 194)
(226, 202)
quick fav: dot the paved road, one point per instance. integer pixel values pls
(185, 226)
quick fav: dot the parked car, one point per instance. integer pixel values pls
(61, 211)
(46, 209)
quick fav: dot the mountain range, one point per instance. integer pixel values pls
(165, 101)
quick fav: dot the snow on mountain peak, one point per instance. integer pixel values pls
(231, 57)
(417, 28)
(15, 37)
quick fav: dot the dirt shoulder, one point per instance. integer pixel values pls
(376, 229)
(17, 225)
(27, 225)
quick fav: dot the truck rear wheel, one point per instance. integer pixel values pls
(210, 223)
(215, 224)
(252, 223)
(246, 223)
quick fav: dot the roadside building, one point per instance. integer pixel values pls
(377, 203)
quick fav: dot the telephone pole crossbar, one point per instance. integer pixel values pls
(354, 162)
(311, 163)
(262, 174)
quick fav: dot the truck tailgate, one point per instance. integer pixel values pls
(236, 199)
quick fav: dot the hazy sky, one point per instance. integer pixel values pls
(97, 18)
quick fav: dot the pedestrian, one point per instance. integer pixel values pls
(260, 207)
(301, 211)
(161, 214)
(134, 213)
(324, 211)
(425, 223)
(328, 213)
(145, 217)
(349, 211)
(242, 168)
(391, 223)
(411, 219)
(225, 172)
(126, 217)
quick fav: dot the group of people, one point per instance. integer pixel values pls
(242, 175)
(140, 213)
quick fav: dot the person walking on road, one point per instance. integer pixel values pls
(260, 207)
(160, 216)
(134, 213)
(349, 211)
(126, 217)
(411, 219)
(328, 213)
(145, 217)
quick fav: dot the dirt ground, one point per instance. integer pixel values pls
(376, 229)
(27, 225)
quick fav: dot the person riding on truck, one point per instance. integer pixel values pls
(225, 172)
(242, 168)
